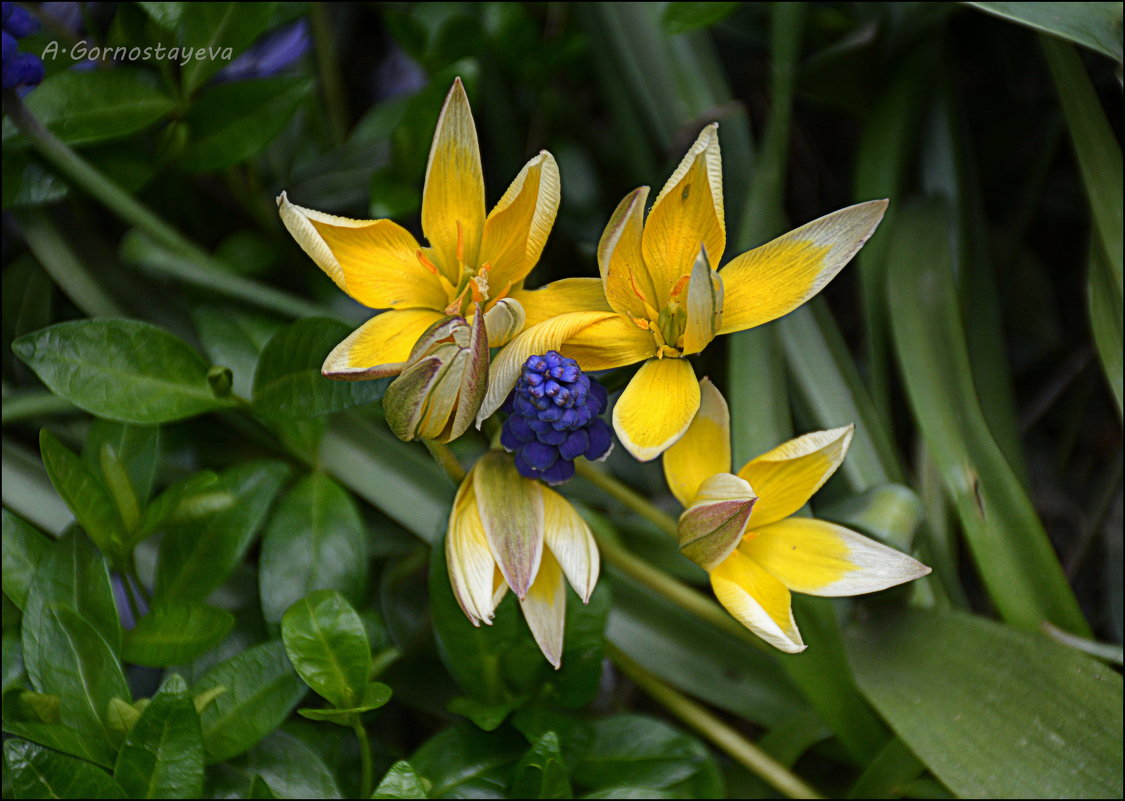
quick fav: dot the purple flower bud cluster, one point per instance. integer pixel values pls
(20, 69)
(553, 418)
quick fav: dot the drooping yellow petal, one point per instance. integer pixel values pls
(656, 408)
(468, 558)
(604, 339)
(517, 228)
(453, 196)
(561, 297)
(703, 450)
(687, 214)
(628, 287)
(379, 347)
(374, 261)
(758, 601)
(544, 608)
(821, 558)
(570, 540)
(703, 306)
(787, 476)
(511, 510)
(774, 279)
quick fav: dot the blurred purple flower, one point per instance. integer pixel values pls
(270, 55)
(19, 69)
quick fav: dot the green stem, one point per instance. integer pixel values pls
(329, 73)
(134, 607)
(365, 759)
(708, 725)
(618, 491)
(446, 460)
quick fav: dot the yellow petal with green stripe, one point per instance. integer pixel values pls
(656, 407)
(379, 347)
(758, 601)
(703, 450)
(774, 279)
(787, 476)
(511, 509)
(517, 228)
(821, 558)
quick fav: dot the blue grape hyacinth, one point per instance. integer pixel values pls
(553, 418)
(20, 69)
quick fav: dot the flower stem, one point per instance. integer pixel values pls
(365, 759)
(445, 459)
(618, 491)
(710, 726)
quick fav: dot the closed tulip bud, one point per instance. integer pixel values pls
(713, 525)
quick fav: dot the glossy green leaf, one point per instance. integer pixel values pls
(213, 27)
(231, 122)
(81, 107)
(541, 773)
(61, 737)
(1106, 322)
(261, 691)
(465, 762)
(85, 495)
(24, 549)
(38, 772)
(162, 756)
(315, 541)
(137, 448)
(197, 555)
(288, 382)
(174, 633)
(1010, 547)
(401, 781)
(122, 370)
(191, 498)
(234, 338)
(683, 17)
(375, 695)
(327, 644)
(1093, 25)
(579, 679)
(291, 769)
(12, 656)
(1015, 715)
(28, 492)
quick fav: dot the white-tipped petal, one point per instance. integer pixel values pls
(468, 557)
(758, 601)
(544, 608)
(570, 540)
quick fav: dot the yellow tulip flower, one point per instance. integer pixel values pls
(662, 297)
(507, 531)
(741, 530)
(472, 260)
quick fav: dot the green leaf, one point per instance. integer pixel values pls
(122, 370)
(137, 448)
(121, 716)
(1106, 322)
(288, 382)
(1014, 715)
(77, 665)
(684, 17)
(464, 762)
(231, 122)
(401, 781)
(72, 574)
(1016, 561)
(234, 338)
(175, 632)
(578, 680)
(65, 739)
(1093, 25)
(191, 498)
(162, 756)
(541, 773)
(12, 655)
(38, 772)
(98, 105)
(198, 554)
(375, 695)
(638, 751)
(24, 548)
(315, 541)
(327, 644)
(215, 27)
(261, 691)
(85, 495)
(291, 769)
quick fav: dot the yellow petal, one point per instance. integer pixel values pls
(628, 287)
(453, 197)
(786, 477)
(758, 601)
(774, 279)
(687, 214)
(703, 450)
(468, 558)
(544, 608)
(601, 340)
(822, 558)
(656, 408)
(570, 540)
(704, 306)
(561, 297)
(374, 261)
(511, 509)
(516, 229)
(379, 347)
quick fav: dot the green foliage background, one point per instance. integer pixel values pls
(170, 445)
